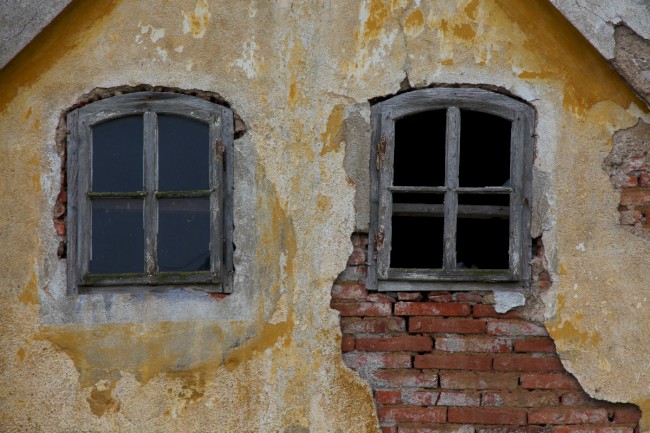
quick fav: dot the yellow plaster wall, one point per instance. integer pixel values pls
(289, 69)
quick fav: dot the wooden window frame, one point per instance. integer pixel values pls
(383, 117)
(79, 166)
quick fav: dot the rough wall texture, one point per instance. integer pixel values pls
(300, 74)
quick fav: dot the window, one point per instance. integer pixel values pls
(150, 194)
(450, 191)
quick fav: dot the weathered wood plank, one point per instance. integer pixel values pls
(464, 210)
(451, 180)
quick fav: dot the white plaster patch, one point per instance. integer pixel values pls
(247, 59)
(197, 20)
(505, 301)
(179, 49)
(581, 247)
(162, 53)
(154, 34)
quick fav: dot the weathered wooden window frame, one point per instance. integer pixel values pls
(384, 115)
(79, 165)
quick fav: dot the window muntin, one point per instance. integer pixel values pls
(150, 180)
(469, 223)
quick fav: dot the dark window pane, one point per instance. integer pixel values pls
(183, 154)
(419, 158)
(417, 242)
(484, 149)
(410, 197)
(117, 155)
(117, 236)
(482, 243)
(184, 234)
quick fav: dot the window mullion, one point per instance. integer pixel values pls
(452, 141)
(151, 185)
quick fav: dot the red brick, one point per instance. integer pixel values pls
(644, 179)
(567, 415)
(349, 290)
(416, 397)
(591, 429)
(439, 296)
(60, 227)
(520, 398)
(579, 398)
(514, 327)
(357, 360)
(388, 397)
(486, 310)
(359, 240)
(371, 325)
(481, 415)
(444, 428)
(409, 296)
(513, 429)
(635, 196)
(431, 309)
(468, 380)
(468, 297)
(395, 344)
(527, 363)
(453, 361)
(393, 378)
(459, 399)
(627, 415)
(473, 344)
(537, 344)
(549, 381)
(389, 429)
(358, 257)
(448, 325)
(412, 414)
(363, 308)
(347, 343)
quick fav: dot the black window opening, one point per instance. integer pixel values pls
(151, 194)
(450, 195)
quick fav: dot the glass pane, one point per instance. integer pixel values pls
(417, 242)
(117, 236)
(484, 149)
(184, 234)
(117, 155)
(419, 158)
(482, 243)
(183, 154)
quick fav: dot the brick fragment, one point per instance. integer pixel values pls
(380, 297)
(358, 257)
(432, 309)
(357, 360)
(349, 290)
(359, 240)
(448, 325)
(473, 344)
(372, 325)
(578, 398)
(394, 378)
(389, 429)
(514, 327)
(347, 343)
(635, 196)
(628, 414)
(363, 309)
(549, 381)
(459, 399)
(514, 429)
(418, 397)
(537, 344)
(394, 344)
(520, 398)
(469, 380)
(481, 415)
(412, 414)
(527, 363)
(409, 296)
(446, 361)
(439, 296)
(468, 297)
(567, 415)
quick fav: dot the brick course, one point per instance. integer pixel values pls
(447, 362)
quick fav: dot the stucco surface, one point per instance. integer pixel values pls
(300, 74)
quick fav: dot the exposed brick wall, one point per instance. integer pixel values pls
(447, 362)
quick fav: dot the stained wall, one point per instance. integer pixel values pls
(300, 75)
